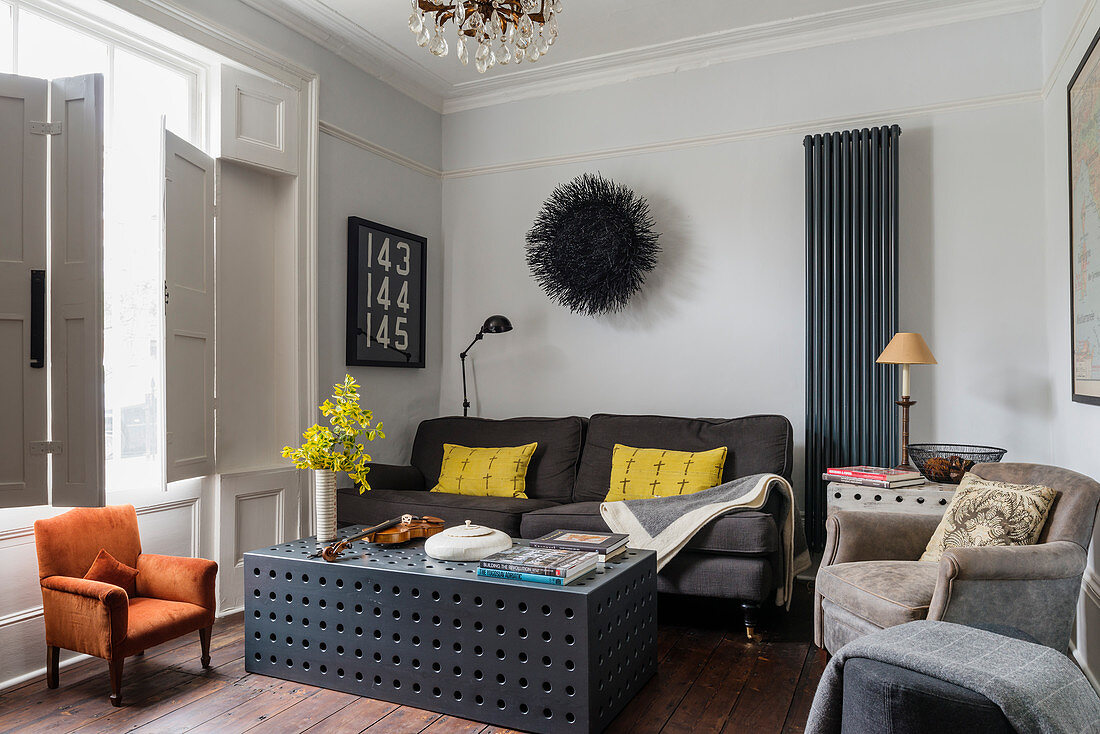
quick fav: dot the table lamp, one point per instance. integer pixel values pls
(493, 325)
(906, 348)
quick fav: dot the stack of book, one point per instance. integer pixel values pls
(540, 565)
(874, 476)
(607, 545)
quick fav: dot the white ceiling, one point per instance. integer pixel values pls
(598, 37)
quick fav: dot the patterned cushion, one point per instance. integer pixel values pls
(639, 473)
(485, 472)
(985, 512)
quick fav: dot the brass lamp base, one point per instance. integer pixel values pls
(905, 404)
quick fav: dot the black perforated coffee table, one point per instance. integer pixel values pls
(390, 623)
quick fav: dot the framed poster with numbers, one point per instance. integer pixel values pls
(385, 324)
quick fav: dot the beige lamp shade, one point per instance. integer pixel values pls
(906, 348)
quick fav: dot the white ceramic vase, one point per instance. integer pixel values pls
(324, 505)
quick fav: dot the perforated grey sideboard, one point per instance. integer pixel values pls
(390, 623)
(924, 499)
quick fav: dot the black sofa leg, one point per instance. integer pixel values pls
(752, 612)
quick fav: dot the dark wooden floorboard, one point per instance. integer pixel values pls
(711, 679)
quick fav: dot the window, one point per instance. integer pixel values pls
(142, 88)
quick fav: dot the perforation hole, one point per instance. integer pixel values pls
(522, 657)
(435, 596)
(416, 687)
(523, 683)
(478, 675)
(501, 679)
(546, 610)
(436, 667)
(522, 607)
(436, 692)
(523, 709)
(546, 636)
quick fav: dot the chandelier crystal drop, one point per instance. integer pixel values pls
(518, 29)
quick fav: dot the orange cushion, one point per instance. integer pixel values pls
(153, 621)
(106, 569)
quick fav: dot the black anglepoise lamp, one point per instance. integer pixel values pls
(493, 325)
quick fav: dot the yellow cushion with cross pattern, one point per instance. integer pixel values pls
(497, 472)
(640, 473)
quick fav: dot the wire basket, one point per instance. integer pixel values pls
(946, 463)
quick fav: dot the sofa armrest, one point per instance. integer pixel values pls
(1033, 588)
(177, 578)
(876, 536)
(395, 476)
(84, 615)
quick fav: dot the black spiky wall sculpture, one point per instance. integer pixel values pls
(592, 245)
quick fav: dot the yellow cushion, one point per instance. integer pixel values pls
(499, 472)
(639, 473)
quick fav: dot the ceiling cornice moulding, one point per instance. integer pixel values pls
(334, 32)
(316, 21)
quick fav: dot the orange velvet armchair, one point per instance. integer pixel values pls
(175, 595)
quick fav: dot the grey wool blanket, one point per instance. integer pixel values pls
(1037, 688)
(666, 524)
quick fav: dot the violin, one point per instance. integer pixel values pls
(397, 530)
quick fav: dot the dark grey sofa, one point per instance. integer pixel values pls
(738, 556)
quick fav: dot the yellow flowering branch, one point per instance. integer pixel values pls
(337, 448)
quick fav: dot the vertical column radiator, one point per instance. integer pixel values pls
(851, 306)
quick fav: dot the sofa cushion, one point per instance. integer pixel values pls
(756, 444)
(370, 508)
(749, 532)
(644, 473)
(884, 593)
(552, 469)
(478, 472)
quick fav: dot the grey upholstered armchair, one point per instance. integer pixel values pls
(870, 577)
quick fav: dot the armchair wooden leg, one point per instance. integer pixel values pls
(204, 640)
(116, 680)
(53, 658)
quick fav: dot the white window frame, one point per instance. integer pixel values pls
(168, 27)
(114, 36)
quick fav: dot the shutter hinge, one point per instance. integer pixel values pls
(38, 448)
(166, 293)
(44, 128)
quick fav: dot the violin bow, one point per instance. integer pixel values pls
(332, 552)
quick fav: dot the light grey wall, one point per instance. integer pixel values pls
(1069, 28)
(719, 330)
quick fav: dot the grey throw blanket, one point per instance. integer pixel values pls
(666, 524)
(1037, 688)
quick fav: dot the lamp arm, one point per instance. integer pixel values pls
(462, 358)
(479, 337)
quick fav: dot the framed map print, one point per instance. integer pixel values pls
(1084, 199)
(385, 321)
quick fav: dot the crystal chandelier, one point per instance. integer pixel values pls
(503, 31)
